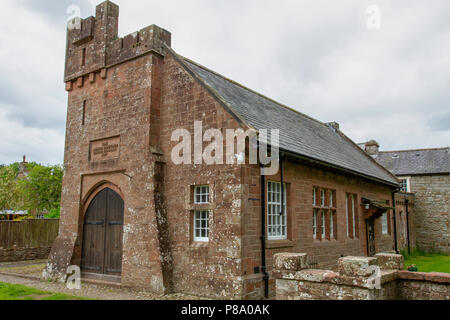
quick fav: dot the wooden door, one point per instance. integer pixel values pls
(102, 234)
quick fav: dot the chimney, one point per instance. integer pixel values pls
(372, 147)
(334, 125)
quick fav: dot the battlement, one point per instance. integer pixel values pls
(93, 43)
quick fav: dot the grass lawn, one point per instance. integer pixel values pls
(20, 292)
(427, 262)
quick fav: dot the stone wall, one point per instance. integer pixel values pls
(357, 278)
(24, 254)
(432, 212)
(300, 180)
(423, 286)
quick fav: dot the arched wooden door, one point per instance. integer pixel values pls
(102, 234)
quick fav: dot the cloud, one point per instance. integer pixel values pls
(316, 56)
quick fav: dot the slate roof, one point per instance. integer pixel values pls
(415, 162)
(299, 133)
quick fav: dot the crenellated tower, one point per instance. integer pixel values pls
(93, 44)
(113, 221)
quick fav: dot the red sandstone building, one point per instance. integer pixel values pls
(130, 214)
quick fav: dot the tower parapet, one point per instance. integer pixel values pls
(93, 43)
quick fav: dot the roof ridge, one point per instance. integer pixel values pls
(367, 155)
(180, 59)
(415, 150)
(253, 91)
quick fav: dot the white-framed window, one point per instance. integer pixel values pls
(201, 194)
(384, 223)
(405, 184)
(314, 195)
(322, 197)
(315, 224)
(331, 199)
(276, 218)
(354, 215)
(324, 216)
(350, 215)
(332, 224)
(201, 226)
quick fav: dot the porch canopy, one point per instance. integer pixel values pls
(374, 209)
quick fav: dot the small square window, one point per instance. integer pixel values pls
(201, 194)
(404, 185)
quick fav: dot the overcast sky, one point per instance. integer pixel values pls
(390, 84)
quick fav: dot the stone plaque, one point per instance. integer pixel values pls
(105, 149)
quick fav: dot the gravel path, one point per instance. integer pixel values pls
(88, 290)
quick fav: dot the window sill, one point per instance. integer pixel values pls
(200, 207)
(275, 244)
(199, 244)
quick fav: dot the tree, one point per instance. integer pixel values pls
(9, 195)
(39, 191)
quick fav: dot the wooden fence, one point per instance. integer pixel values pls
(33, 233)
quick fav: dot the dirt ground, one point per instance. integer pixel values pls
(28, 273)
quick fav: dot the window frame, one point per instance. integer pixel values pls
(332, 216)
(323, 198)
(351, 215)
(323, 219)
(331, 199)
(202, 194)
(385, 223)
(315, 211)
(354, 215)
(201, 218)
(408, 183)
(270, 207)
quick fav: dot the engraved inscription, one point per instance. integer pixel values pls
(106, 149)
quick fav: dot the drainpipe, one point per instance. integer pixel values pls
(263, 230)
(395, 222)
(263, 236)
(281, 158)
(407, 225)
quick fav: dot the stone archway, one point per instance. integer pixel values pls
(103, 234)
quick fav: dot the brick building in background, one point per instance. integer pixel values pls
(426, 174)
(129, 214)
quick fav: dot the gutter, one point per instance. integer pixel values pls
(314, 161)
(395, 221)
(263, 236)
(407, 225)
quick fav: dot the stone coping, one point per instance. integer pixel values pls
(437, 277)
(327, 276)
(352, 271)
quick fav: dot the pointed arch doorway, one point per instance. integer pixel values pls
(103, 234)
